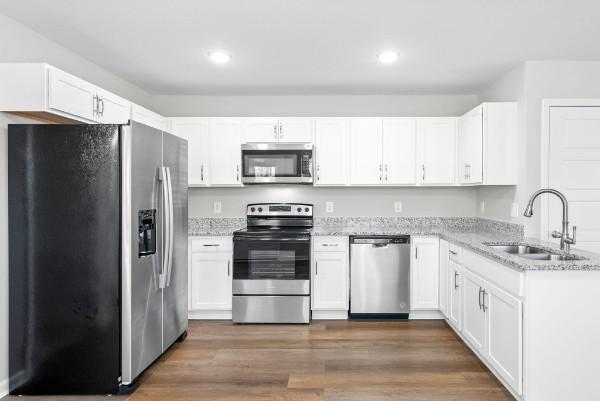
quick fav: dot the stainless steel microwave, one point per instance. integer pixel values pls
(279, 163)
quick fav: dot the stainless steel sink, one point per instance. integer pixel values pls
(519, 249)
(532, 252)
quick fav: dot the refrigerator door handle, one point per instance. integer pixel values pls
(170, 228)
(163, 177)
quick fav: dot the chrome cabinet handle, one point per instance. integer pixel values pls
(416, 252)
(479, 298)
(483, 305)
(316, 268)
(467, 171)
(211, 245)
(95, 105)
(456, 280)
(453, 253)
(330, 244)
(280, 130)
(423, 168)
(381, 172)
(237, 173)
(101, 107)
(275, 133)
(318, 169)
(202, 173)
(386, 172)
(228, 268)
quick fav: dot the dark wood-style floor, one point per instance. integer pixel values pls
(327, 360)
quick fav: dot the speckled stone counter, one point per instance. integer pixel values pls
(472, 233)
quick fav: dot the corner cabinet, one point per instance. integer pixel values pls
(424, 273)
(210, 277)
(330, 278)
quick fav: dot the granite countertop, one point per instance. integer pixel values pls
(471, 233)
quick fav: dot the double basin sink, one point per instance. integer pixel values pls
(533, 252)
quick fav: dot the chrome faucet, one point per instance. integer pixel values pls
(565, 240)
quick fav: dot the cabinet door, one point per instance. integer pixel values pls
(113, 109)
(295, 130)
(505, 335)
(197, 133)
(470, 147)
(436, 142)
(71, 95)
(444, 272)
(454, 295)
(365, 151)
(261, 129)
(225, 151)
(399, 151)
(473, 319)
(424, 290)
(210, 281)
(330, 281)
(331, 149)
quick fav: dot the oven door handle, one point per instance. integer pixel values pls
(254, 238)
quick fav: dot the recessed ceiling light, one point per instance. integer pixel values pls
(388, 57)
(219, 57)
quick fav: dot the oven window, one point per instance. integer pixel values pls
(271, 259)
(271, 164)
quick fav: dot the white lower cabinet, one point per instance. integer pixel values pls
(474, 316)
(210, 277)
(424, 273)
(330, 278)
(454, 295)
(444, 274)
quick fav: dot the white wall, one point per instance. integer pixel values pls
(529, 84)
(314, 106)
(21, 44)
(350, 201)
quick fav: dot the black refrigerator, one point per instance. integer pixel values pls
(98, 254)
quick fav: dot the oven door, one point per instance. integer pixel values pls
(276, 163)
(265, 265)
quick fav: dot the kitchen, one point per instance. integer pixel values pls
(298, 177)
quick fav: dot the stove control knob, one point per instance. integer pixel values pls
(306, 210)
(260, 209)
(252, 209)
(299, 209)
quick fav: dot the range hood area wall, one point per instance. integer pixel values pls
(348, 201)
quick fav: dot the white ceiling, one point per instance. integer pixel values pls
(314, 46)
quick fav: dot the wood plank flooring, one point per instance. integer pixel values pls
(327, 360)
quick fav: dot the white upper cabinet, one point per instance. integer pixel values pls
(150, 118)
(366, 166)
(261, 129)
(470, 147)
(486, 145)
(295, 129)
(71, 95)
(436, 148)
(331, 151)
(197, 133)
(225, 151)
(272, 129)
(112, 109)
(399, 151)
(424, 273)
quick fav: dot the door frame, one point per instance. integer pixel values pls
(547, 104)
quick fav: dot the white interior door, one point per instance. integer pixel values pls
(574, 169)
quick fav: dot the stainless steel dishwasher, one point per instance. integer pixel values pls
(379, 277)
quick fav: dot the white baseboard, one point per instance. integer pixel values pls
(209, 315)
(425, 315)
(3, 387)
(330, 315)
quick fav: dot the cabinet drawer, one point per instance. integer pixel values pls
(455, 253)
(212, 244)
(330, 244)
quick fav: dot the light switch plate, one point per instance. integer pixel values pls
(329, 207)
(217, 207)
(482, 207)
(397, 207)
(514, 210)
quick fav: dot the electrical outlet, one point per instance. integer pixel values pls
(329, 207)
(482, 207)
(397, 207)
(217, 207)
(514, 210)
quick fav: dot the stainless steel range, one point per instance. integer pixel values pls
(271, 264)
